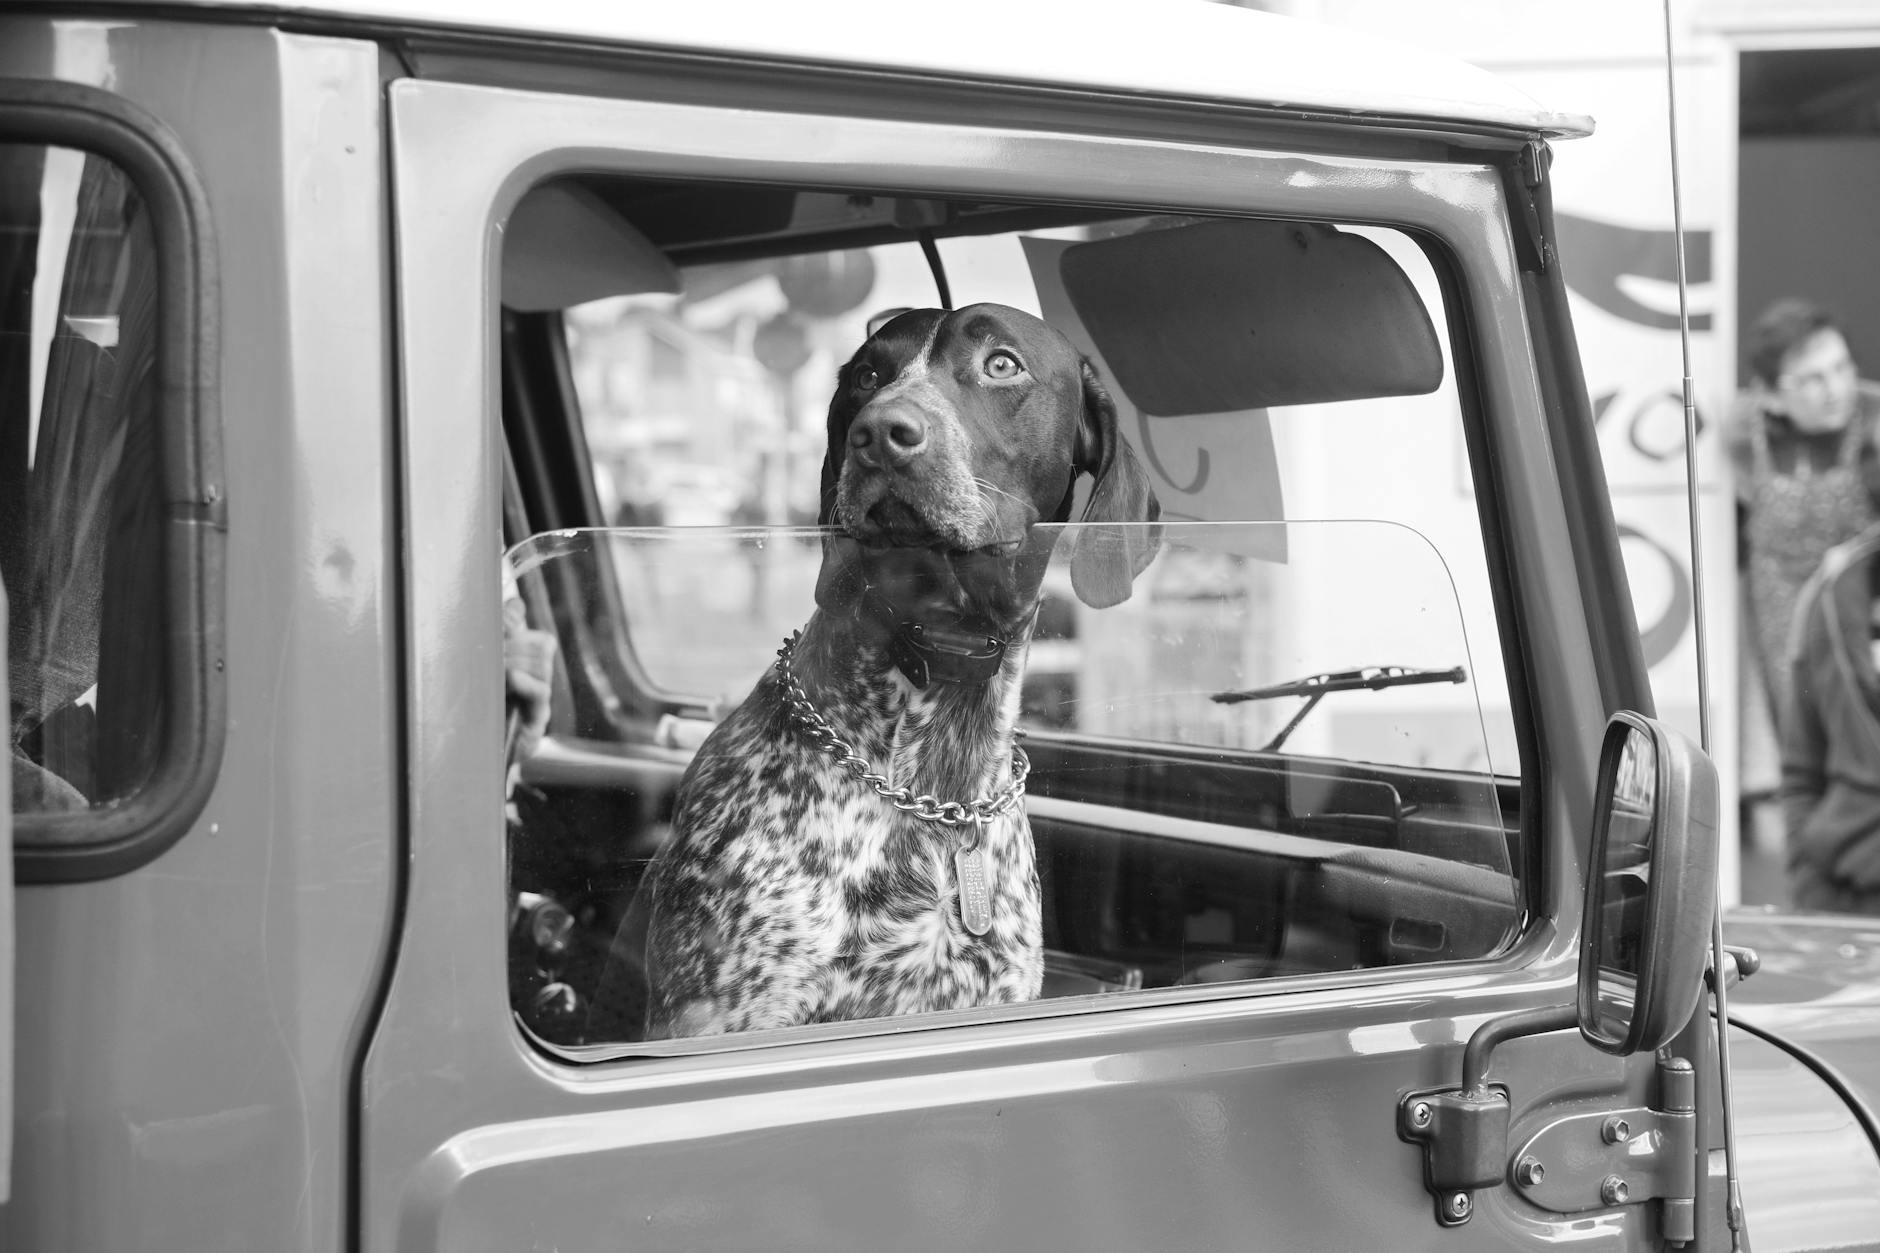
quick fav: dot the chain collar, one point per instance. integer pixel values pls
(929, 808)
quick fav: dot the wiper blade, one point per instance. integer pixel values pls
(1315, 688)
(1373, 677)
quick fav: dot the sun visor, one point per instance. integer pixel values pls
(565, 246)
(1208, 467)
(1232, 315)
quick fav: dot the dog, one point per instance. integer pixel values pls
(850, 841)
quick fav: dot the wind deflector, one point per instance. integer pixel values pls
(1229, 315)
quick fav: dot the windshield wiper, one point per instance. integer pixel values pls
(1316, 687)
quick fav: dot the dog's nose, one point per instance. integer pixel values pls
(888, 437)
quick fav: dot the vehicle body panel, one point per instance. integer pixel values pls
(198, 1071)
(1818, 992)
(1810, 1176)
(1189, 50)
(934, 1150)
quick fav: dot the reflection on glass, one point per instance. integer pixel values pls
(1625, 876)
(1257, 765)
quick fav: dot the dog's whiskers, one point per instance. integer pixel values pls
(986, 486)
(983, 503)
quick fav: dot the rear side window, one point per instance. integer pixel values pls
(80, 497)
(110, 512)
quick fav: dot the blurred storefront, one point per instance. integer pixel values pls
(1779, 135)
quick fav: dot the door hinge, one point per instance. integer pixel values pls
(1609, 1158)
(1578, 1162)
(1525, 181)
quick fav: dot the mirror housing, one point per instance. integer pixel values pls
(1651, 887)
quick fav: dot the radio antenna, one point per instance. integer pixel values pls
(1739, 1237)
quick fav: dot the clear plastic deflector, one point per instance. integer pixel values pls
(1249, 751)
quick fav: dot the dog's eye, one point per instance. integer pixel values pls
(866, 378)
(1001, 364)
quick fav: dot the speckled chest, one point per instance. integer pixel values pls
(795, 892)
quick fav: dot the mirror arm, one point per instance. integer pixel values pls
(1496, 1031)
(1464, 1131)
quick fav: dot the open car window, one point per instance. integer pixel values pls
(703, 398)
(1290, 752)
(1233, 776)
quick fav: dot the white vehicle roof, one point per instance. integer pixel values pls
(1183, 48)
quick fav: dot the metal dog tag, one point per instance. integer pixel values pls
(969, 872)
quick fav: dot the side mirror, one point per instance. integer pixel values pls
(1651, 895)
(1651, 889)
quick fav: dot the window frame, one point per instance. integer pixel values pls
(1454, 202)
(110, 841)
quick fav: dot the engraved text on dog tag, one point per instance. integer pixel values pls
(969, 871)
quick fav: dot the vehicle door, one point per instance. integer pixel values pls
(1263, 935)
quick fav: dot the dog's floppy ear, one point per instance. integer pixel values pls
(839, 581)
(836, 447)
(1107, 559)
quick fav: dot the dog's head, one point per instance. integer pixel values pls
(952, 432)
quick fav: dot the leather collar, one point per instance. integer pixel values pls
(928, 652)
